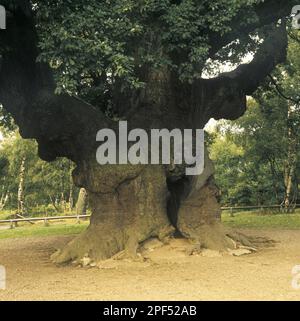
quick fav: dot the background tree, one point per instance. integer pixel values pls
(4, 196)
(81, 205)
(262, 147)
(41, 184)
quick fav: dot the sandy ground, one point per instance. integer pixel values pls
(170, 275)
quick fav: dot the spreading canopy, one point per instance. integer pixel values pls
(98, 49)
(118, 55)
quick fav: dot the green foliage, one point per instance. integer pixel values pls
(252, 153)
(6, 122)
(45, 183)
(103, 45)
(249, 156)
(229, 165)
(38, 230)
(257, 221)
(240, 220)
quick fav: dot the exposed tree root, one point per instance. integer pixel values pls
(256, 242)
(97, 244)
(92, 247)
(218, 239)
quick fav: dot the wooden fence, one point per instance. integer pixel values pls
(46, 220)
(13, 222)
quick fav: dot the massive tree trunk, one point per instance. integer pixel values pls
(126, 211)
(129, 203)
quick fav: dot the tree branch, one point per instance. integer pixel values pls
(225, 95)
(62, 125)
(279, 91)
(267, 12)
(271, 53)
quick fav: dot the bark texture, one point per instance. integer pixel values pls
(81, 205)
(129, 203)
(290, 197)
(21, 197)
(4, 199)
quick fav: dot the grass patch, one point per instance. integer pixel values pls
(41, 230)
(259, 221)
(5, 214)
(249, 219)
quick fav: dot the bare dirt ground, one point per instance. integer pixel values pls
(170, 275)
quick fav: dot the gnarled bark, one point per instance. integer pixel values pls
(124, 214)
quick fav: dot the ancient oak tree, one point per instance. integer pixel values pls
(70, 69)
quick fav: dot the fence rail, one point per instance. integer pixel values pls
(255, 207)
(78, 217)
(45, 219)
(249, 207)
